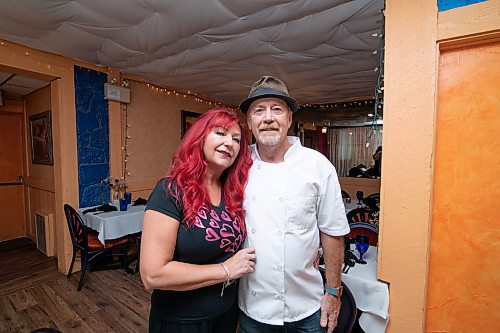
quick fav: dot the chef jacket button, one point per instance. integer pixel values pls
(253, 197)
(280, 233)
(281, 199)
(253, 231)
(279, 268)
(258, 166)
(254, 293)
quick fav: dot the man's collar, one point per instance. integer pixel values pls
(293, 140)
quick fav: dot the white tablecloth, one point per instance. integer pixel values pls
(351, 205)
(371, 295)
(115, 224)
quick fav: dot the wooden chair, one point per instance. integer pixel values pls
(85, 241)
(373, 201)
(365, 229)
(136, 239)
(363, 221)
(360, 215)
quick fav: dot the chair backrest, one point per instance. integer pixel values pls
(77, 229)
(363, 221)
(373, 201)
(360, 215)
(345, 194)
(348, 312)
(365, 229)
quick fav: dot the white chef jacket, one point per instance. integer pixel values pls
(286, 204)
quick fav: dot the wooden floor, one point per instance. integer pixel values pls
(34, 294)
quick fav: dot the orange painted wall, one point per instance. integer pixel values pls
(464, 283)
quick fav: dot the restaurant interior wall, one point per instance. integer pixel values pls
(39, 177)
(59, 70)
(353, 184)
(464, 265)
(92, 132)
(153, 125)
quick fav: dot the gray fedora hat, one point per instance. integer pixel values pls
(269, 86)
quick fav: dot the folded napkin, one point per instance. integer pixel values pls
(140, 201)
(103, 208)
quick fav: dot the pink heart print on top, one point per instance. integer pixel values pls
(227, 231)
(224, 216)
(211, 235)
(214, 224)
(214, 215)
(224, 242)
(236, 224)
(197, 222)
(202, 213)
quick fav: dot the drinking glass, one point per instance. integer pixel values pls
(359, 195)
(362, 244)
(128, 196)
(123, 204)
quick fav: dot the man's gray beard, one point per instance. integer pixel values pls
(269, 140)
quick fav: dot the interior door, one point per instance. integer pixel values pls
(12, 222)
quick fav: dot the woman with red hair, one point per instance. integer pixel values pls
(194, 227)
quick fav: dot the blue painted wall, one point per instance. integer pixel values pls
(92, 128)
(450, 4)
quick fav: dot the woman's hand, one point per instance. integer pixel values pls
(242, 263)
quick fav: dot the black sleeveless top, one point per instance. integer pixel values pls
(215, 237)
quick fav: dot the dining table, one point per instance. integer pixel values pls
(114, 224)
(370, 294)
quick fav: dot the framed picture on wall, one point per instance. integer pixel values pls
(188, 118)
(41, 138)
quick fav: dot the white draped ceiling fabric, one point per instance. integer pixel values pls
(324, 50)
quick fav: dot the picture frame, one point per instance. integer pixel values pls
(188, 118)
(41, 138)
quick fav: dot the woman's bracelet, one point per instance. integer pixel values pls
(228, 276)
(228, 281)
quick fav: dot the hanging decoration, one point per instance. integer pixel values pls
(339, 105)
(126, 138)
(374, 134)
(178, 93)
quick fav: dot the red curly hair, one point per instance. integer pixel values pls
(189, 168)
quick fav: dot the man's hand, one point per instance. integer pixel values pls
(330, 308)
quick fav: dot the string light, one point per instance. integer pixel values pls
(125, 143)
(346, 104)
(375, 133)
(177, 93)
